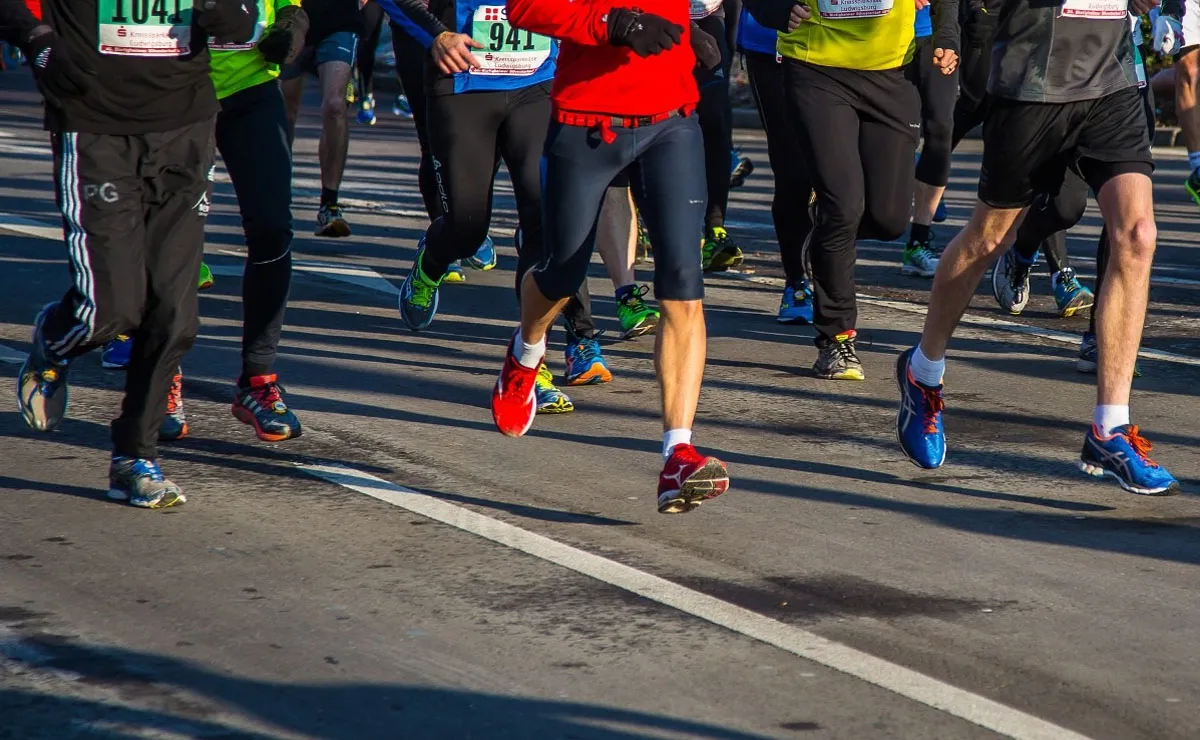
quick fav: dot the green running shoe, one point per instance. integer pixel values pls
(718, 252)
(635, 316)
(419, 295)
(206, 277)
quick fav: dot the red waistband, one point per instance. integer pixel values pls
(606, 124)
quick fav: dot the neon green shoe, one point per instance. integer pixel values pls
(1192, 186)
(419, 296)
(718, 252)
(206, 277)
(550, 400)
(635, 316)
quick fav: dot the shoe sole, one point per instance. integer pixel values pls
(594, 375)
(183, 432)
(454, 277)
(547, 410)
(1098, 471)
(901, 382)
(112, 365)
(910, 271)
(706, 483)
(798, 320)
(641, 330)
(334, 230)
(243, 415)
(1070, 310)
(178, 499)
(841, 376)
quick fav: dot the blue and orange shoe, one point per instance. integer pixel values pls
(919, 418)
(139, 482)
(42, 390)
(116, 353)
(261, 405)
(585, 363)
(174, 424)
(1125, 455)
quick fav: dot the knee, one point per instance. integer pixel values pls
(888, 223)
(683, 312)
(1133, 245)
(840, 219)
(334, 109)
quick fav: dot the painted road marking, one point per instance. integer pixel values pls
(895, 678)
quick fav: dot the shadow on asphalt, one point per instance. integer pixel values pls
(332, 711)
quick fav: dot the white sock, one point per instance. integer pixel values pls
(925, 371)
(1106, 418)
(1194, 161)
(528, 355)
(672, 438)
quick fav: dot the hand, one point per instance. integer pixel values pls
(452, 52)
(227, 20)
(922, 4)
(1141, 7)
(798, 15)
(1168, 35)
(285, 38)
(647, 34)
(945, 60)
(708, 53)
(53, 70)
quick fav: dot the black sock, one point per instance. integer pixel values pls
(329, 197)
(918, 233)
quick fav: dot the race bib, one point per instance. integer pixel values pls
(1103, 9)
(842, 9)
(144, 28)
(506, 50)
(259, 29)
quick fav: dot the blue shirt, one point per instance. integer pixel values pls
(755, 37)
(924, 25)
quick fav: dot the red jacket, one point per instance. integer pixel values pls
(595, 77)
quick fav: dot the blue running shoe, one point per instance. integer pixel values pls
(139, 482)
(1126, 456)
(366, 114)
(585, 364)
(549, 399)
(484, 257)
(919, 419)
(42, 383)
(939, 214)
(455, 274)
(116, 353)
(400, 107)
(419, 295)
(1069, 293)
(796, 305)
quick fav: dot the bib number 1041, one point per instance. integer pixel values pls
(161, 12)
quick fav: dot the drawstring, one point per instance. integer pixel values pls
(607, 135)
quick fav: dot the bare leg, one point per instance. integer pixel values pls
(925, 202)
(335, 132)
(293, 96)
(1187, 78)
(679, 361)
(538, 312)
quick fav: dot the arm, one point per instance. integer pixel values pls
(581, 23)
(945, 25)
(16, 22)
(773, 14)
(414, 18)
(228, 20)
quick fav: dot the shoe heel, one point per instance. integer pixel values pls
(1093, 470)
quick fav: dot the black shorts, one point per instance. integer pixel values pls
(1028, 147)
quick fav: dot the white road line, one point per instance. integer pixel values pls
(897, 679)
(985, 321)
(363, 277)
(30, 227)
(11, 356)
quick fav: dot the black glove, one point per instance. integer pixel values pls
(647, 34)
(284, 39)
(773, 14)
(228, 21)
(56, 76)
(708, 53)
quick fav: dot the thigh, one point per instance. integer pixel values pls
(828, 125)
(670, 188)
(252, 138)
(522, 137)
(463, 130)
(1025, 151)
(295, 71)
(888, 172)
(1112, 139)
(339, 47)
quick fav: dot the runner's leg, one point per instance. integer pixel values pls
(938, 95)
(716, 122)
(410, 66)
(335, 59)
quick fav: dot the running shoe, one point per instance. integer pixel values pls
(400, 107)
(514, 398)
(919, 418)
(206, 277)
(330, 222)
(351, 93)
(939, 213)
(455, 274)
(635, 316)
(140, 483)
(585, 363)
(1192, 185)
(740, 168)
(1086, 362)
(116, 353)
(419, 295)
(261, 405)
(550, 400)
(174, 424)
(484, 257)
(1010, 282)
(718, 252)
(1125, 455)
(919, 259)
(42, 383)
(837, 360)
(796, 306)
(366, 111)
(688, 479)
(1069, 293)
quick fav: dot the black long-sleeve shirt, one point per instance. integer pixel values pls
(147, 62)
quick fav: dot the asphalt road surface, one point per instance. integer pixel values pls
(403, 571)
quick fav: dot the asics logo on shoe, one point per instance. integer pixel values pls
(676, 476)
(43, 58)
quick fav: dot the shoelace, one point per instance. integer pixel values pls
(144, 468)
(587, 350)
(267, 395)
(633, 300)
(423, 290)
(845, 350)
(923, 253)
(1140, 445)
(933, 405)
(1068, 281)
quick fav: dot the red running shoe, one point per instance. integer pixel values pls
(689, 479)
(514, 402)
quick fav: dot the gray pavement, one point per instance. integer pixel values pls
(277, 604)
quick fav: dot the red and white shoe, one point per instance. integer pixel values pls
(514, 400)
(689, 479)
